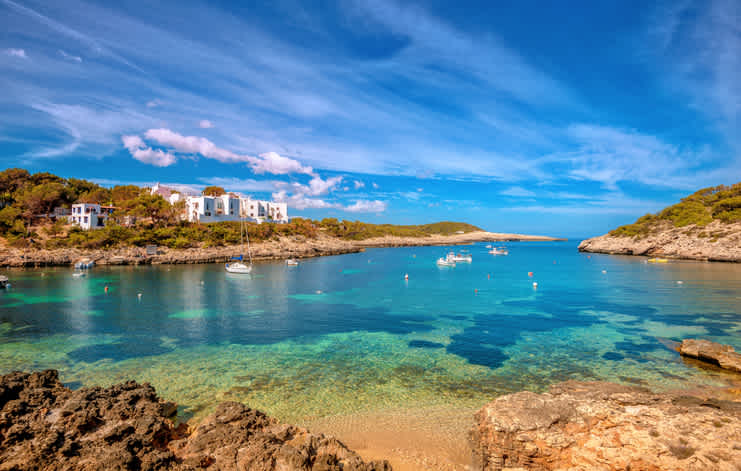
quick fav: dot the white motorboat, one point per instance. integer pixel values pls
(4, 282)
(488, 246)
(238, 266)
(499, 251)
(444, 262)
(456, 258)
(79, 274)
(291, 262)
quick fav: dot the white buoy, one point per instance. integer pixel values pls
(680, 282)
(604, 271)
(139, 295)
(406, 276)
(535, 284)
(318, 291)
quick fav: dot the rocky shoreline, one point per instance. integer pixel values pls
(575, 425)
(716, 242)
(44, 425)
(286, 247)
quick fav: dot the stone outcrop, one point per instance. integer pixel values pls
(605, 426)
(716, 242)
(44, 425)
(710, 352)
(274, 249)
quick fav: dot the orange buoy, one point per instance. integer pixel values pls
(529, 273)
(488, 276)
(406, 276)
(106, 288)
(475, 291)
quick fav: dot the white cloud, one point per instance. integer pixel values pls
(358, 184)
(237, 184)
(141, 152)
(192, 145)
(70, 57)
(517, 191)
(365, 206)
(132, 142)
(205, 124)
(271, 162)
(301, 201)
(153, 103)
(155, 157)
(317, 186)
(16, 53)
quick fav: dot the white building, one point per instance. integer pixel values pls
(90, 215)
(170, 194)
(231, 207)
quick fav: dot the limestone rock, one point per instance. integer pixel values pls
(44, 425)
(711, 352)
(605, 426)
(715, 242)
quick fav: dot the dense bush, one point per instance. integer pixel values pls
(718, 203)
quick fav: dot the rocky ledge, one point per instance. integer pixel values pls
(44, 425)
(605, 426)
(710, 352)
(716, 242)
(274, 249)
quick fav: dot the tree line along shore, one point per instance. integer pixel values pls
(31, 235)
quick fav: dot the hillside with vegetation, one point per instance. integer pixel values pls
(27, 203)
(705, 225)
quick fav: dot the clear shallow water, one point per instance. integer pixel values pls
(343, 335)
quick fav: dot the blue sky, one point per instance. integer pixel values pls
(521, 117)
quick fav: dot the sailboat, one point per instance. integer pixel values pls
(239, 267)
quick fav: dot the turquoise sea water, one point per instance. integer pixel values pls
(345, 334)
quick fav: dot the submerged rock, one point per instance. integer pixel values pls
(711, 352)
(44, 425)
(605, 426)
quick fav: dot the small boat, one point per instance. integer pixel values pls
(444, 262)
(291, 262)
(460, 258)
(239, 267)
(499, 251)
(488, 246)
(79, 274)
(84, 264)
(657, 260)
(4, 282)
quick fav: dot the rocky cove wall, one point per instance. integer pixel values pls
(286, 247)
(716, 242)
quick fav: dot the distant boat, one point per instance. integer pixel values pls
(239, 267)
(79, 274)
(657, 260)
(452, 257)
(444, 262)
(499, 251)
(84, 264)
(488, 246)
(4, 282)
(292, 262)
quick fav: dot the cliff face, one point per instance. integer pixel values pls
(584, 426)
(715, 242)
(44, 425)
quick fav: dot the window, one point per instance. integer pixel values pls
(85, 219)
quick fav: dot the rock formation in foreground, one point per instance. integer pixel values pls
(705, 225)
(605, 426)
(44, 425)
(710, 352)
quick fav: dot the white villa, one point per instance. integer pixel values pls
(230, 207)
(169, 194)
(90, 215)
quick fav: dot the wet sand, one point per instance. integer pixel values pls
(432, 438)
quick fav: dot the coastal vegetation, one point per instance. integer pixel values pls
(27, 219)
(719, 203)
